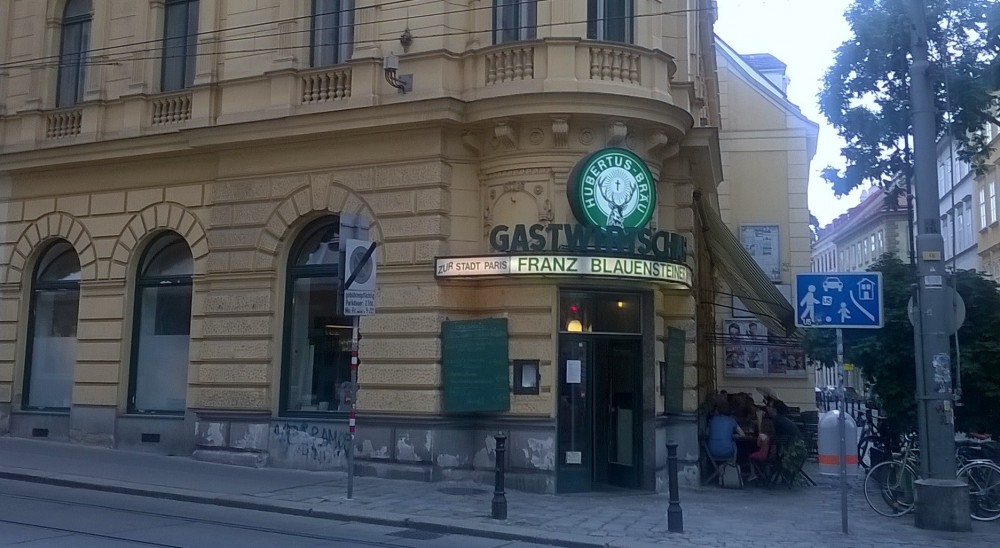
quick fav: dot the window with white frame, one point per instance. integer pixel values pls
(514, 20)
(610, 20)
(332, 32)
(959, 223)
(969, 240)
(993, 201)
(984, 221)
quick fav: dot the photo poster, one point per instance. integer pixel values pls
(745, 344)
(763, 243)
(786, 361)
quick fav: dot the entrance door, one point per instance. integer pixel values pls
(617, 411)
(599, 415)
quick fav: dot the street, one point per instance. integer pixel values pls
(37, 516)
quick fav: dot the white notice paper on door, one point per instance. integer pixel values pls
(573, 371)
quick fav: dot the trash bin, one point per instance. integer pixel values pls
(829, 444)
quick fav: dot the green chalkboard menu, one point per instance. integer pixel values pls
(474, 367)
(672, 382)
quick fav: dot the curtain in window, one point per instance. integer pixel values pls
(332, 32)
(514, 20)
(610, 20)
(180, 44)
(162, 332)
(55, 303)
(317, 357)
(73, 44)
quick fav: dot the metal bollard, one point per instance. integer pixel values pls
(499, 499)
(675, 517)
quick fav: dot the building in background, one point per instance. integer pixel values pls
(986, 183)
(874, 227)
(767, 146)
(956, 189)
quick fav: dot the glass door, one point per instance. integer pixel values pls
(574, 458)
(618, 412)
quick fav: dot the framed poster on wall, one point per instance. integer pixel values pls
(763, 243)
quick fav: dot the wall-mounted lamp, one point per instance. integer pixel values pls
(406, 39)
(574, 326)
(402, 82)
(527, 376)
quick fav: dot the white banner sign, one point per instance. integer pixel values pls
(562, 265)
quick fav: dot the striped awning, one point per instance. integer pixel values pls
(740, 271)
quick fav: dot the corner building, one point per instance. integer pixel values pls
(179, 179)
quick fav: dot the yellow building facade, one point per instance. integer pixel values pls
(180, 180)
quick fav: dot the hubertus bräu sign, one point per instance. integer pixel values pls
(612, 194)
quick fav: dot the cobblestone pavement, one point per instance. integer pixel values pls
(804, 516)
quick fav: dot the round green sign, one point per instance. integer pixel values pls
(612, 188)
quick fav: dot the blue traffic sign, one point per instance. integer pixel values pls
(850, 300)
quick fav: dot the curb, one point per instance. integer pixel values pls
(246, 502)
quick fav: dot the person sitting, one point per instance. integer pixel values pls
(793, 445)
(761, 458)
(721, 429)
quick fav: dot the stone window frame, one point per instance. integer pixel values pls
(76, 15)
(525, 19)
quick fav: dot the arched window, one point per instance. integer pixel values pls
(73, 44)
(316, 370)
(180, 44)
(332, 32)
(55, 303)
(162, 327)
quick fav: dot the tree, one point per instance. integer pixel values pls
(865, 93)
(886, 356)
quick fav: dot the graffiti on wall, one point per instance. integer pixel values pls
(309, 445)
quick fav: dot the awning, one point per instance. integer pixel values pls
(741, 272)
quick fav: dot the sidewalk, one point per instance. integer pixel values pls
(712, 516)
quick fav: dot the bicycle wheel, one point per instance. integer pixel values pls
(984, 489)
(889, 488)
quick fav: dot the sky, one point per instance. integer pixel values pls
(803, 34)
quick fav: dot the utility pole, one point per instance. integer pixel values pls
(942, 500)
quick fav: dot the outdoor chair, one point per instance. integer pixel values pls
(718, 465)
(788, 465)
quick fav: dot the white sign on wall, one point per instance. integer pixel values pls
(359, 295)
(763, 243)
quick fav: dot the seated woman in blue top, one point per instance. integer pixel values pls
(721, 429)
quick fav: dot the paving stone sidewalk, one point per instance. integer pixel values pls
(804, 516)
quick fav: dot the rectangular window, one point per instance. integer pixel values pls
(967, 230)
(514, 20)
(72, 61)
(993, 201)
(959, 223)
(180, 44)
(984, 221)
(332, 32)
(610, 20)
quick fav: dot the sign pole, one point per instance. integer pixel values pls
(842, 430)
(352, 419)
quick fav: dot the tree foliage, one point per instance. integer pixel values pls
(865, 93)
(886, 356)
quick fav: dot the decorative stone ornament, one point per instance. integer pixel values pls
(612, 187)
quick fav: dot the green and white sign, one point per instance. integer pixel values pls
(612, 188)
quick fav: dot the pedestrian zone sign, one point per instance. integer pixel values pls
(849, 300)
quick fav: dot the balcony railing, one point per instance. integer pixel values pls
(172, 109)
(615, 63)
(326, 86)
(63, 123)
(506, 65)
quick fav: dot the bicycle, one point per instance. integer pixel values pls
(890, 485)
(871, 438)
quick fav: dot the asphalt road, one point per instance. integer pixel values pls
(36, 516)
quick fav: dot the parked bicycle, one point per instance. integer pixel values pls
(873, 440)
(890, 485)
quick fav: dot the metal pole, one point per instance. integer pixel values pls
(675, 517)
(936, 307)
(842, 429)
(352, 419)
(499, 506)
